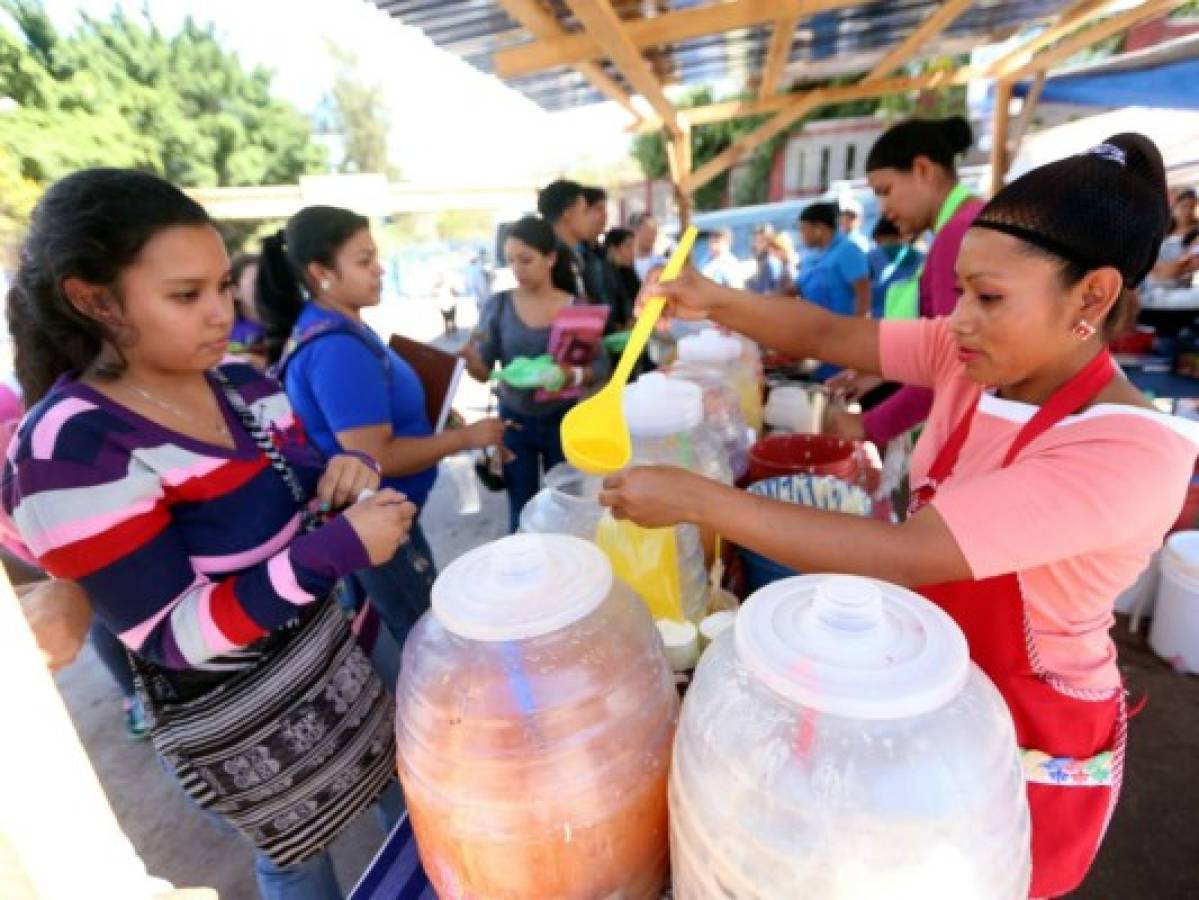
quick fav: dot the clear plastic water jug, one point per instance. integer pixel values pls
(728, 356)
(568, 504)
(838, 743)
(666, 566)
(721, 412)
(535, 712)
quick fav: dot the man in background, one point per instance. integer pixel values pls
(768, 278)
(562, 205)
(645, 243)
(591, 254)
(722, 266)
(851, 224)
(834, 273)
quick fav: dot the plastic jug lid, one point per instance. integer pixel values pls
(521, 587)
(852, 647)
(709, 346)
(655, 406)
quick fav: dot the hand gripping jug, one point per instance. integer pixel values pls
(666, 566)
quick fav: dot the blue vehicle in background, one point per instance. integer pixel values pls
(784, 216)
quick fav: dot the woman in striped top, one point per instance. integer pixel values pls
(132, 475)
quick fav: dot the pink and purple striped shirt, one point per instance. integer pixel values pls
(187, 550)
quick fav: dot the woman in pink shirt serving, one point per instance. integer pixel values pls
(912, 169)
(1042, 482)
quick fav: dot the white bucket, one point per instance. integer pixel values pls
(1137, 599)
(1174, 634)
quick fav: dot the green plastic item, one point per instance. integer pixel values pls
(526, 374)
(616, 341)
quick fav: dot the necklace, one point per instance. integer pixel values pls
(219, 425)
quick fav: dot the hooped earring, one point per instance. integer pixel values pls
(1083, 330)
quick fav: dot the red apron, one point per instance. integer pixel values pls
(1071, 740)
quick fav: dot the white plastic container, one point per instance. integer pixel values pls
(568, 504)
(726, 354)
(666, 567)
(1137, 599)
(838, 743)
(797, 408)
(535, 712)
(667, 428)
(721, 412)
(1174, 634)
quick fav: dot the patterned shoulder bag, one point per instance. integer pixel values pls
(298, 742)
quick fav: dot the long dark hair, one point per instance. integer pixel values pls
(90, 225)
(314, 234)
(535, 232)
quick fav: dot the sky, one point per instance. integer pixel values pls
(450, 122)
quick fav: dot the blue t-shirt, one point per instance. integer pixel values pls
(827, 276)
(336, 383)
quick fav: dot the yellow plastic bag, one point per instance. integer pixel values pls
(647, 560)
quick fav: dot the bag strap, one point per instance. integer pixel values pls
(302, 337)
(278, 462)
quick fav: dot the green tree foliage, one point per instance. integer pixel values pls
(359, 114)
(708, 141)
(118, 92)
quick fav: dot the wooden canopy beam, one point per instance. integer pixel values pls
(1070, 19)
(1095, 33)
(1031, 99)
(546, 28)
(668, 28)
(736, 109)
(778, 55)
(999, 134)
(940, 19)
(678, 157)
(801, 105)
(602, 23)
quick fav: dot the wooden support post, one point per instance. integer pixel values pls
(999, 134)
(678, 157)
(1031, 99)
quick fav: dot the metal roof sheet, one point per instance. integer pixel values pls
(834, 43)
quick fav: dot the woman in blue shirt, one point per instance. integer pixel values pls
(352, 392)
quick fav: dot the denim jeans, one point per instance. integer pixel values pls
(314, 879)
(537, 444)
(114, 657)
(400, 588)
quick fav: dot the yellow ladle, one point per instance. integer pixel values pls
(595, 437)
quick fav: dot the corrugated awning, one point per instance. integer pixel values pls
(567, 53)
(832, 43)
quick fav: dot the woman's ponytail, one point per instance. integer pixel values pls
(278, 294)
(314, 234)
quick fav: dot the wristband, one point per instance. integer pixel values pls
(367, 460)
